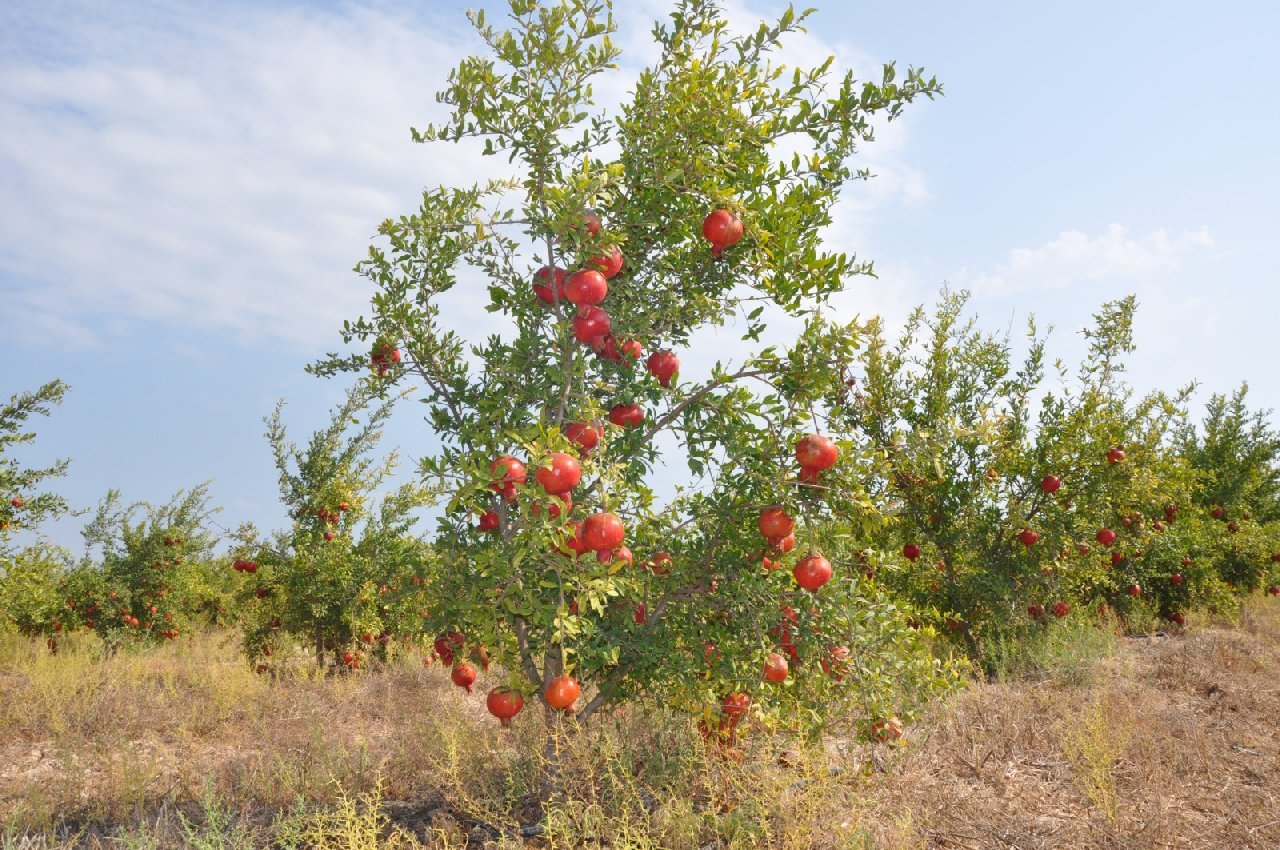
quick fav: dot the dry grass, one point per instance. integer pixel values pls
(1170, 742)
(1173, 744)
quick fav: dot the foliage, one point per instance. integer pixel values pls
(348, 571)
(701, 133)
(22, 505)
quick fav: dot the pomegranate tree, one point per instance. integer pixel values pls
(553, 549)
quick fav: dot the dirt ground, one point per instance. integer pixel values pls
(1174, 742)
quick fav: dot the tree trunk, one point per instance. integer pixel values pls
(320, 646)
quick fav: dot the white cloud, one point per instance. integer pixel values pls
(1074, 258)
(224, 171)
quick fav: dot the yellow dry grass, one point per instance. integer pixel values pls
(1168, 741)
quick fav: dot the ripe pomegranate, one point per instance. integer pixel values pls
(1036, 612)
(1105, 536)
(812, 572)
(562, 692)
(383, 355)
(775, 523)
(817, 452)
(448, 644)
(663, 365)
(1176, 578)
(603, 531)
(586, 287)
(783, 544)
(507, 472)
(562, 503)
(574, 545)
(591, 220)
(1050, 484)
(610, 264)
(622, 553)
(585, 434)
(16, 501)
(1060, 609)
(887, 730)
(463, 675)
(504, 704)
(775, 667)
(489, 521)
(911, 551)
(1028, 537)
(660, 564)
(561, 475)
(1273, 590)
(835, 662)
(626, 415)
(1134, 590)
(735, 706)
(328, 536)
(640, 614)
(1217, 513)
(591, 326)
(1275, 557)
(543, 287)
(1177, 618)
(1115, 455)
(723, 230)
(1117, 558)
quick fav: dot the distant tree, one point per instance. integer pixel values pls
(342, 577)
(23, 505)
(1236, 453)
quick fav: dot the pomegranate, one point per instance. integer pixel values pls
(663, 365)
(1028, 537)
(562, 692)
(626, 415)
(775, 523)
(591, 325)
(504, 704)
(723, 230)
(543, 287)
(1105, 536)
(603, 531)
(835, 662)
(507, 472)
(574, 545)
(776, 667)
(817, 452)
(1050, 484)
(463, 675)
(489, 521)
(660, 564)
(561, 475)
(586, 435)
(911, 551)
(812, 572)
(610, 264)
(1115, 455)
(887, 730)
(586, 287)
(1176, 578)
(735, 706)
(1060, 609)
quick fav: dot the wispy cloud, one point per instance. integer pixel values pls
(223, 171)
(1074, 258)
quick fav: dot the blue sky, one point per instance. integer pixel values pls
(184, 189)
